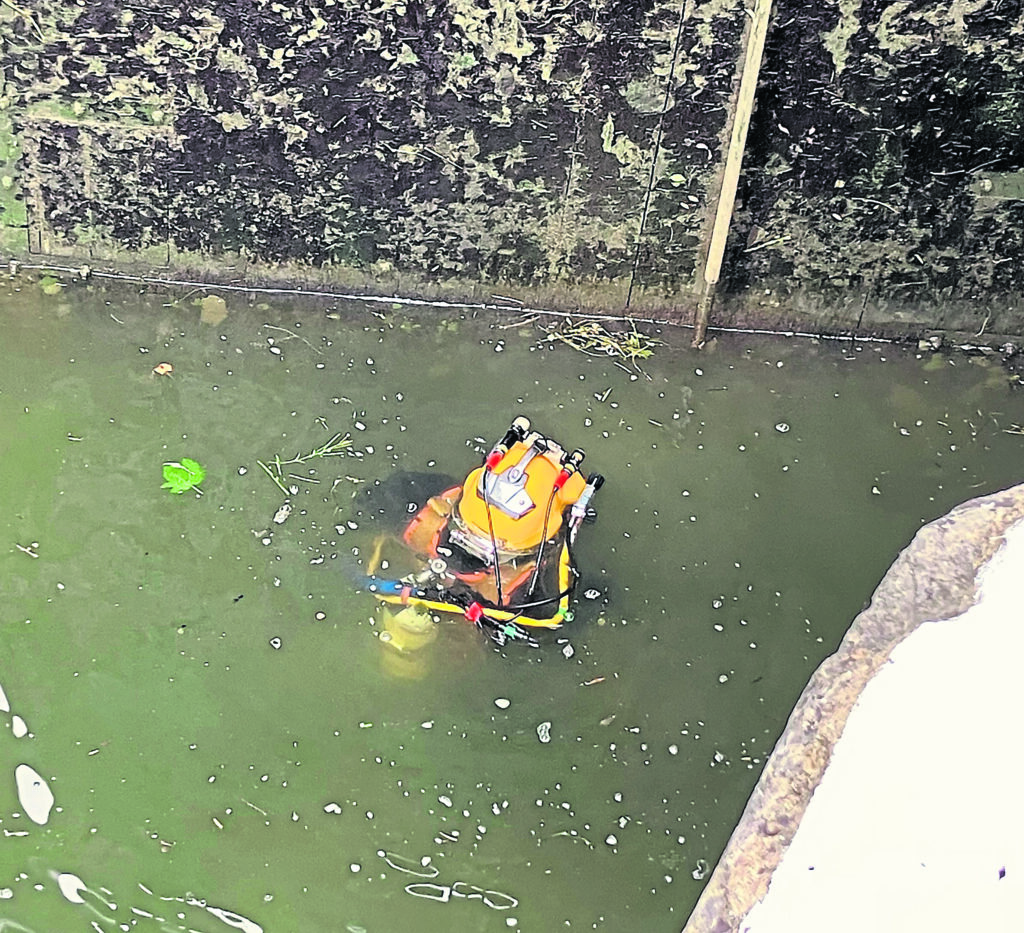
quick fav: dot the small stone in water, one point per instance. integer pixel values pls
(502, 703)
(544, 732)
(611, 840)
(332, 808)
(276, 643)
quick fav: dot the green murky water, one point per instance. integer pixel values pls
(204, 779)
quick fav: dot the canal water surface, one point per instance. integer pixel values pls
(228, 742)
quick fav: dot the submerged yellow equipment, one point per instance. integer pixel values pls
(498, 547)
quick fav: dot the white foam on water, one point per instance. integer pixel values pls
(235, 920)
(71, 887)
(34, 793)
(917, 824)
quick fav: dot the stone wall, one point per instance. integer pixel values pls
(565, 154)
(935, 578)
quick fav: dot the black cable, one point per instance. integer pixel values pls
(494, 540)
(543, 537)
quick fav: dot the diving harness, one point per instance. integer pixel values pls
(498, 548)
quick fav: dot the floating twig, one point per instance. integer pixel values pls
(591, 338)
(292, 333)
(277, 482)
(335, 447)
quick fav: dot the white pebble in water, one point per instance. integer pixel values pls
(6, 894)
(276, 643)
(70, 885)
(503, 703)
(18, 726)
(242, 471)
(355, 868)
(445, 801)
(34, 794)
(611, 840)
(782, 427)
(544, 732)
(332, 808)
(722, 678)
(568, 651)
(673, 749)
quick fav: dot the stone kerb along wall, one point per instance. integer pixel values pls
(935, 578)
(442, 146)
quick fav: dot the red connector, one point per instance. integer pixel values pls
(474, 612)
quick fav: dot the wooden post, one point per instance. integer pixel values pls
(742, 113)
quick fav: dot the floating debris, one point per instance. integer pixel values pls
(34, 793)
(281, 515)
(544, 732)
(70, 886)
(594, 339)
(276, 643)
(163, 369)
(213, 309)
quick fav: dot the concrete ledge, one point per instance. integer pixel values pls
(934, 578)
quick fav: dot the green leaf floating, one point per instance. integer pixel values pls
(182, 476)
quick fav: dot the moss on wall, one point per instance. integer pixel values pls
(875, 120)
(559, 151)
(516, 143)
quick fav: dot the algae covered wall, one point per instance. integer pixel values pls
(494, 143)
(558, 152)
(886, 165)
